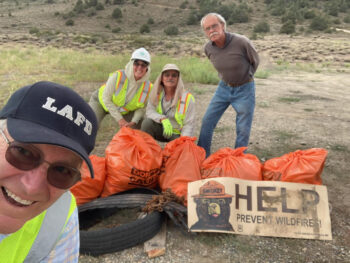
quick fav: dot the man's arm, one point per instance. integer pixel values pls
(252, 55)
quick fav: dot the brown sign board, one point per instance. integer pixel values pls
(262, 208)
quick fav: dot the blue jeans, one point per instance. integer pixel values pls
(242, 99)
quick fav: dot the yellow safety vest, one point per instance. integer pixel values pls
(36, 238)
(138, 101)
(181, 109)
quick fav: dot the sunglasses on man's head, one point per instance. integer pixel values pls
(27, 157)
(140, 63)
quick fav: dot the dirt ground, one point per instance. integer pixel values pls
(294, 110)
(302, 103)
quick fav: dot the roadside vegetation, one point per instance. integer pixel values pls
(22, 65)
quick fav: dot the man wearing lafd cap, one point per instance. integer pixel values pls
(46, 132)
(170, 112)
(126, 92)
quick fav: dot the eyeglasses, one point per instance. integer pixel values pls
(213, 27)
(167, 75)
(138, 63)
(27, 157)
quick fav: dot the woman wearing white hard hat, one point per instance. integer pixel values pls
(170, 112)
(126, 92)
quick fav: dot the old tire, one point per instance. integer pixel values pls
(108, 240)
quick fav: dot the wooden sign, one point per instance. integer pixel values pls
(263, 208)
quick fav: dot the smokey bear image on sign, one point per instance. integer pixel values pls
(213, 207)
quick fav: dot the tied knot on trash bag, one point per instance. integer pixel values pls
(171, 204)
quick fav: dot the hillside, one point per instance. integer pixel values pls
(44, 23)
(109, 17)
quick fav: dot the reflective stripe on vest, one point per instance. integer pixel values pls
(120, 80)
(37, 237)
(181, 109)
(119, 96)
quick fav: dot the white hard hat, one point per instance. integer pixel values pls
(141, 54)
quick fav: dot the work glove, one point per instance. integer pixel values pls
(167, 128)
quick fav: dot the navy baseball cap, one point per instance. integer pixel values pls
(49, 113)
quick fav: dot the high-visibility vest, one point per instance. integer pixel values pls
(119, 96)
(181, 109)
(38, 236)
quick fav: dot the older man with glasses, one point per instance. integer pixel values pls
(46, 132)
(126, 92)
(236, 60)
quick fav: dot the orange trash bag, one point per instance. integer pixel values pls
(228, 162)
(182, 159)
(90, 188)
(133, 160)
(301, 166)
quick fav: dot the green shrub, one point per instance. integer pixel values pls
(319, 23)
(289, 16)
(69, 15)
(171, 31)
(336, 21)
(184, 4)
(239, 15)
(91, 13)
(347, 19)
(262, 27)
(117, 13)
(192, 18)
(100, 6)
(34, 31)
(278, 11)
(332, 9)
(239, 18)
(118, 2)
(254, 36)
(309, 14)
(288, 28)
(116, 30)
(144, 29)
(70, 22)
(91, 3)
(79, 7)
(150, 21)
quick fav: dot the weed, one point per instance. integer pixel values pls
(283, 135)
(308, 110)
(210, 239)
(222, 129)
(198, 91)
(339, 148)
(288, 99)
(262, 74)
(263, 104)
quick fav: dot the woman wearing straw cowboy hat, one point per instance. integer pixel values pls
(170, 112)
